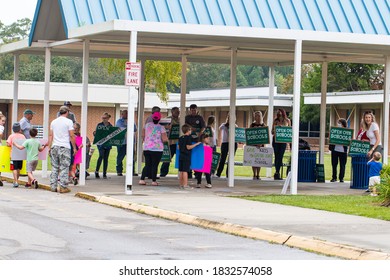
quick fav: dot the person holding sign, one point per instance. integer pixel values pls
(205, 139)
(210, 131)
(372, 132)
(154, 136)
(224, 130)
(339, 154)
(259, 122)
(279, 148)
(104, 151)
(173, 138)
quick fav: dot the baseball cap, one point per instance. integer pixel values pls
(16, 127)
(67, 103)
(156, 116)
(28, 111)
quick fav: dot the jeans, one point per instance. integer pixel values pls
(165, 165)
(279, 149)
(224, 154)
(119, 158)
(104, 153)
(336, 157)
(152, 159)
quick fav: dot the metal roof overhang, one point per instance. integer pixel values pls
(256, 46)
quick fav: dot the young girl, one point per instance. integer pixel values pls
(2, 123)
(205, 139)
(211, 130)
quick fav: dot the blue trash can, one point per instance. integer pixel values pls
(307, 166)
(359, 178)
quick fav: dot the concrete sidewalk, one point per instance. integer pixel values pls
(335, 234)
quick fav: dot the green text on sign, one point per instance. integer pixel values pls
(166, 156)
(283, 134)
(340, 136)
(240, 135)
(175, 132)
(257, 135)
(109, 136)
(358, 147)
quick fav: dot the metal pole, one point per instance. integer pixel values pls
(270, 114)
(132, 102)
(84, 110)
(296, 109)
(324, 88)
(385, 122)
(232, 115)
(16, 89)
(183, 90)
(140, 113)
(46, 105)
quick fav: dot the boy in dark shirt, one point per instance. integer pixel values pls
(185, 147)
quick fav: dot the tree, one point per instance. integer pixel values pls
(158, 74)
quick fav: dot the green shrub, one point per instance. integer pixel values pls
(383, 188)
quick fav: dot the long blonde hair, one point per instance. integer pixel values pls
(261, 116)
(364, 125)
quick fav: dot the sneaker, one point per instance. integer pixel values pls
(198, 186)
(373, 194)
(105, 176)
(97, 175)
(333, 180)
(209, 186)
(75, 181)
(367, 191)
(27, 186)
(15, 185)
(119, 174)
(187, 188)
(63, 190)
(35, 183)
(341, 181)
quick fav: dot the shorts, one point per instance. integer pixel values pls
(184, 165)
(16, 164)
(374, 180)
(31, 165)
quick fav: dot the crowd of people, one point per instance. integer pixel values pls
(63, 147)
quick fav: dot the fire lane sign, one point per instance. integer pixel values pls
(133, 74)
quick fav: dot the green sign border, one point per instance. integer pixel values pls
(279, 139)
(260, 142)
(343, 142)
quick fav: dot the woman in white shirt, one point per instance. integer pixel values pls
(372, 132)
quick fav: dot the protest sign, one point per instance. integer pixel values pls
(258, 156)
(166, 156)
(358, 147)
(174, 133)
(109, 136)
(283, 134)
(240, 135)
(257, 135)
(340, 136)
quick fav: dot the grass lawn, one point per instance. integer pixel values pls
(366, 206)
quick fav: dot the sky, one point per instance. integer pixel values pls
(12, 10)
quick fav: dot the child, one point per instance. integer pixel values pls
(2, 123)
(204, 138)
(375, 167)
(185, 147)
(33, 147)
(16, 165)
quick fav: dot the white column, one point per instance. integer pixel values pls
(385, 137)
(232, 115)
(117, 111)
(16, 89)
(356, 119)
(270, 114)
(324, 88)
(140, 113)
(132, 102)
(84, 109)
(46, 105)
(296, 109)
(183, 90)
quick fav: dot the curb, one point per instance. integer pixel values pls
(308, 244)
(303, 243)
